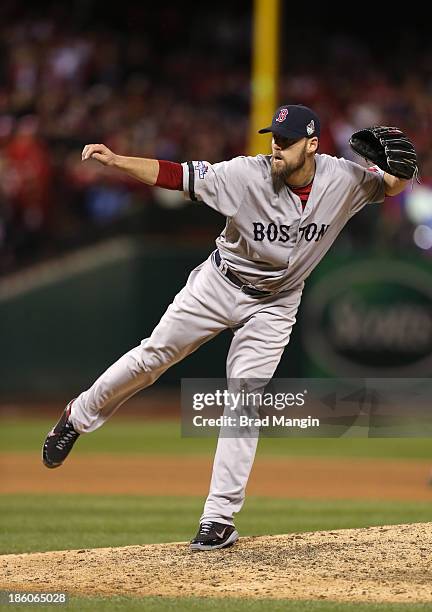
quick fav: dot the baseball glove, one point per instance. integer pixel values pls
(388, 148)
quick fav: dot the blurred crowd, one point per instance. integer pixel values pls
(170, 84)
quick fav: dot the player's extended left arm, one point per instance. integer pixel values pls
(394, 185)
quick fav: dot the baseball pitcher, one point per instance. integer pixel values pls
(283, 212)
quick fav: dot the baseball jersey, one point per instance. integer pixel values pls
(269, 239)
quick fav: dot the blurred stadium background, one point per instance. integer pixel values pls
(89, 260)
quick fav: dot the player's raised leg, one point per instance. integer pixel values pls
(192, 319)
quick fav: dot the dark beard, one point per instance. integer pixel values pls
(281, 177)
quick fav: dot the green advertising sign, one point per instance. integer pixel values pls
(370, 318)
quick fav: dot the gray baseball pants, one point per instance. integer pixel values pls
(208, 304)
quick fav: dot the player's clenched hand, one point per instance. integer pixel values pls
(99, 152)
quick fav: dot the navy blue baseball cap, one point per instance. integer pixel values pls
(294, 121)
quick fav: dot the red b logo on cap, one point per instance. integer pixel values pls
(282, 115)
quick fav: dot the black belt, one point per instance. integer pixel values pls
(248, 289)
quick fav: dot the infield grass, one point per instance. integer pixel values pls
(188, 604)
(155, 604)
(132, 436)
(31, 523)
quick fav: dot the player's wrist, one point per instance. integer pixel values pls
(115, 161)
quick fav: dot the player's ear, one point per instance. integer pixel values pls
(312, 144)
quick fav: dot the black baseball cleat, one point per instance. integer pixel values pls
(58, 443)
(213, 535)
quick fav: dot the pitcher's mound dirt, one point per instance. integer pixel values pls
(382, 564)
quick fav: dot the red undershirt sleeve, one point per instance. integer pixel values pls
(170, 175)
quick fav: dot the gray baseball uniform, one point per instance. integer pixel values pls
(269, 242)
